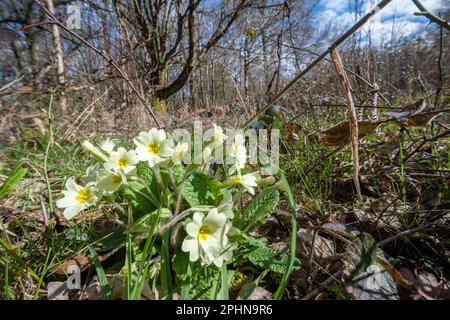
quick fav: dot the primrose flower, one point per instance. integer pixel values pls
(178, 152)
(91, 175)
(248, 181)
(226, 255)
(76, 198)
(206, 236)
(110, 181)
(107, 145)
(122, 160)
(86, 145)
(207, 155)
(217, 136)
(238, 152)
(153, 146)
(226, 205)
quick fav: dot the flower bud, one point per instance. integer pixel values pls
(95, 151)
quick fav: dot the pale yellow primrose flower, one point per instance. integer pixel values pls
(153, 146)
(110, 181)
(248, 181)
(217, 137)
(206, 237)
(107, 145)
(226, 205)
(122, 160)
(76, 198)
(226, 256)
(178, 152)
(86, 145)
(207, 155)
(238, 152)
(92, 174)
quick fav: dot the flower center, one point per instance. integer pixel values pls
(217, 135)
(153, 148)
(122, 163)
(116, 179)
(204, 232)
(237, 179)
(83, 195)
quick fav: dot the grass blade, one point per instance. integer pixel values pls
(13, 179)
(166, 278)
(106, 289)
(287, 189)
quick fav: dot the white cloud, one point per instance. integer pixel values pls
(398, 12)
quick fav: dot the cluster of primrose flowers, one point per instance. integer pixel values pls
(209, 231)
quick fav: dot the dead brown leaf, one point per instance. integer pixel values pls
(427, 285)
(321, 248)
(340, 133)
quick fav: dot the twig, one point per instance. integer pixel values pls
(329, 280)
(71, 130)
(106, 56)
(441, 78)
(424, 12)
(44, 212)
(351, 115)
(337, 42)
(412, 230)
(353, 73)
(443, 134)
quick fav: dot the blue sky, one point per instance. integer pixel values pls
(340, 12)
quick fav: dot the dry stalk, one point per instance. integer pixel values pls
(351, 115)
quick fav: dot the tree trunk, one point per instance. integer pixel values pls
(59, 58)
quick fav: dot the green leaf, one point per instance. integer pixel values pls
(258, 210)
(145, 173)
(145, 223)
(148, 176)
(166, 279)
(140, 204)
(247, 290)
(204, 282)
(180, 264)
(200, 190)
(13, 179)
(112, 242)
(273, 259)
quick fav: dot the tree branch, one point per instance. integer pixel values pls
(427, 14)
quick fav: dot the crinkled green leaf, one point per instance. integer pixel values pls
(200, 190)
(140, 204)
(273, 259)
(147, 175)
(180, 262)
(258, 210)
(204, 282)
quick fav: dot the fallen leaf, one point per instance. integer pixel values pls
(260, 294)
(82, 262)
(321, 248)
(57, 290)
(365, 278)
(427, 285)
(340, 133)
